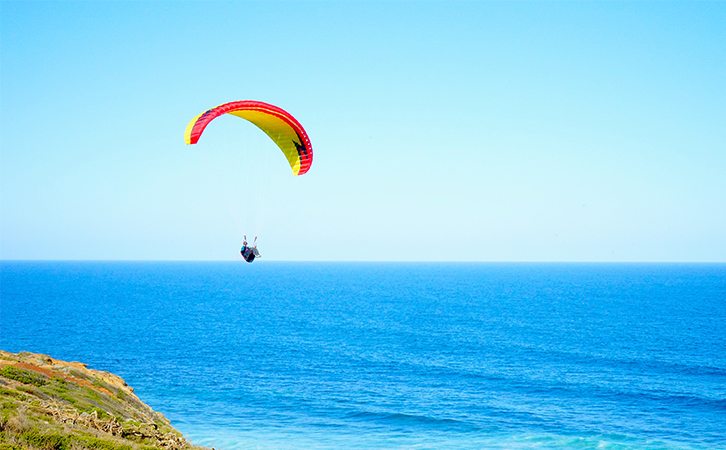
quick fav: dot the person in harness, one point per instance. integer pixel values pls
(250, 253)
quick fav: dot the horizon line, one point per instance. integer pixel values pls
(367, 261)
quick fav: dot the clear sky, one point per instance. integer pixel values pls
(457, 131)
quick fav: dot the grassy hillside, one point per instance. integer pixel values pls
(48, 404)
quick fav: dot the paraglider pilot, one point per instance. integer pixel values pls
(250, 253)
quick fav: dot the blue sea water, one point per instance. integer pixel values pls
(394, 355)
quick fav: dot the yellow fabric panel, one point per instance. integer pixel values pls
(278, 130)
(188, 131)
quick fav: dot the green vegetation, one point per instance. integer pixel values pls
(37, 439)
(10, 447)
(24, 376)
(9, 393)
(59, 384)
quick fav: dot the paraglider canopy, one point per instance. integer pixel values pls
(277, 123)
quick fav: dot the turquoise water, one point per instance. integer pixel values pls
(394, 356)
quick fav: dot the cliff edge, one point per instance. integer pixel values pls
(49, 404)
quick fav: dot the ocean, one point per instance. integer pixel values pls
(280, 355)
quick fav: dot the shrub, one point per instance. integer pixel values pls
(91, 394)
(59, 384)
(10, 447)
(46, 441)
(24, 376)
(9, 392)
(10, 406)
(68, 398)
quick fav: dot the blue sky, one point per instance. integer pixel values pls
(456, 131)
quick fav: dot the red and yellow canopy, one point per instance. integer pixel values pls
(277, 123)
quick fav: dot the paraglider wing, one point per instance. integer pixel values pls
(277, 123)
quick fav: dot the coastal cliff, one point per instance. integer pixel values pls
(48, 404)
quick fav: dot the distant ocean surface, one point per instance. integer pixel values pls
(394, 355)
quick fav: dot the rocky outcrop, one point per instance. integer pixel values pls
(52, 404)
